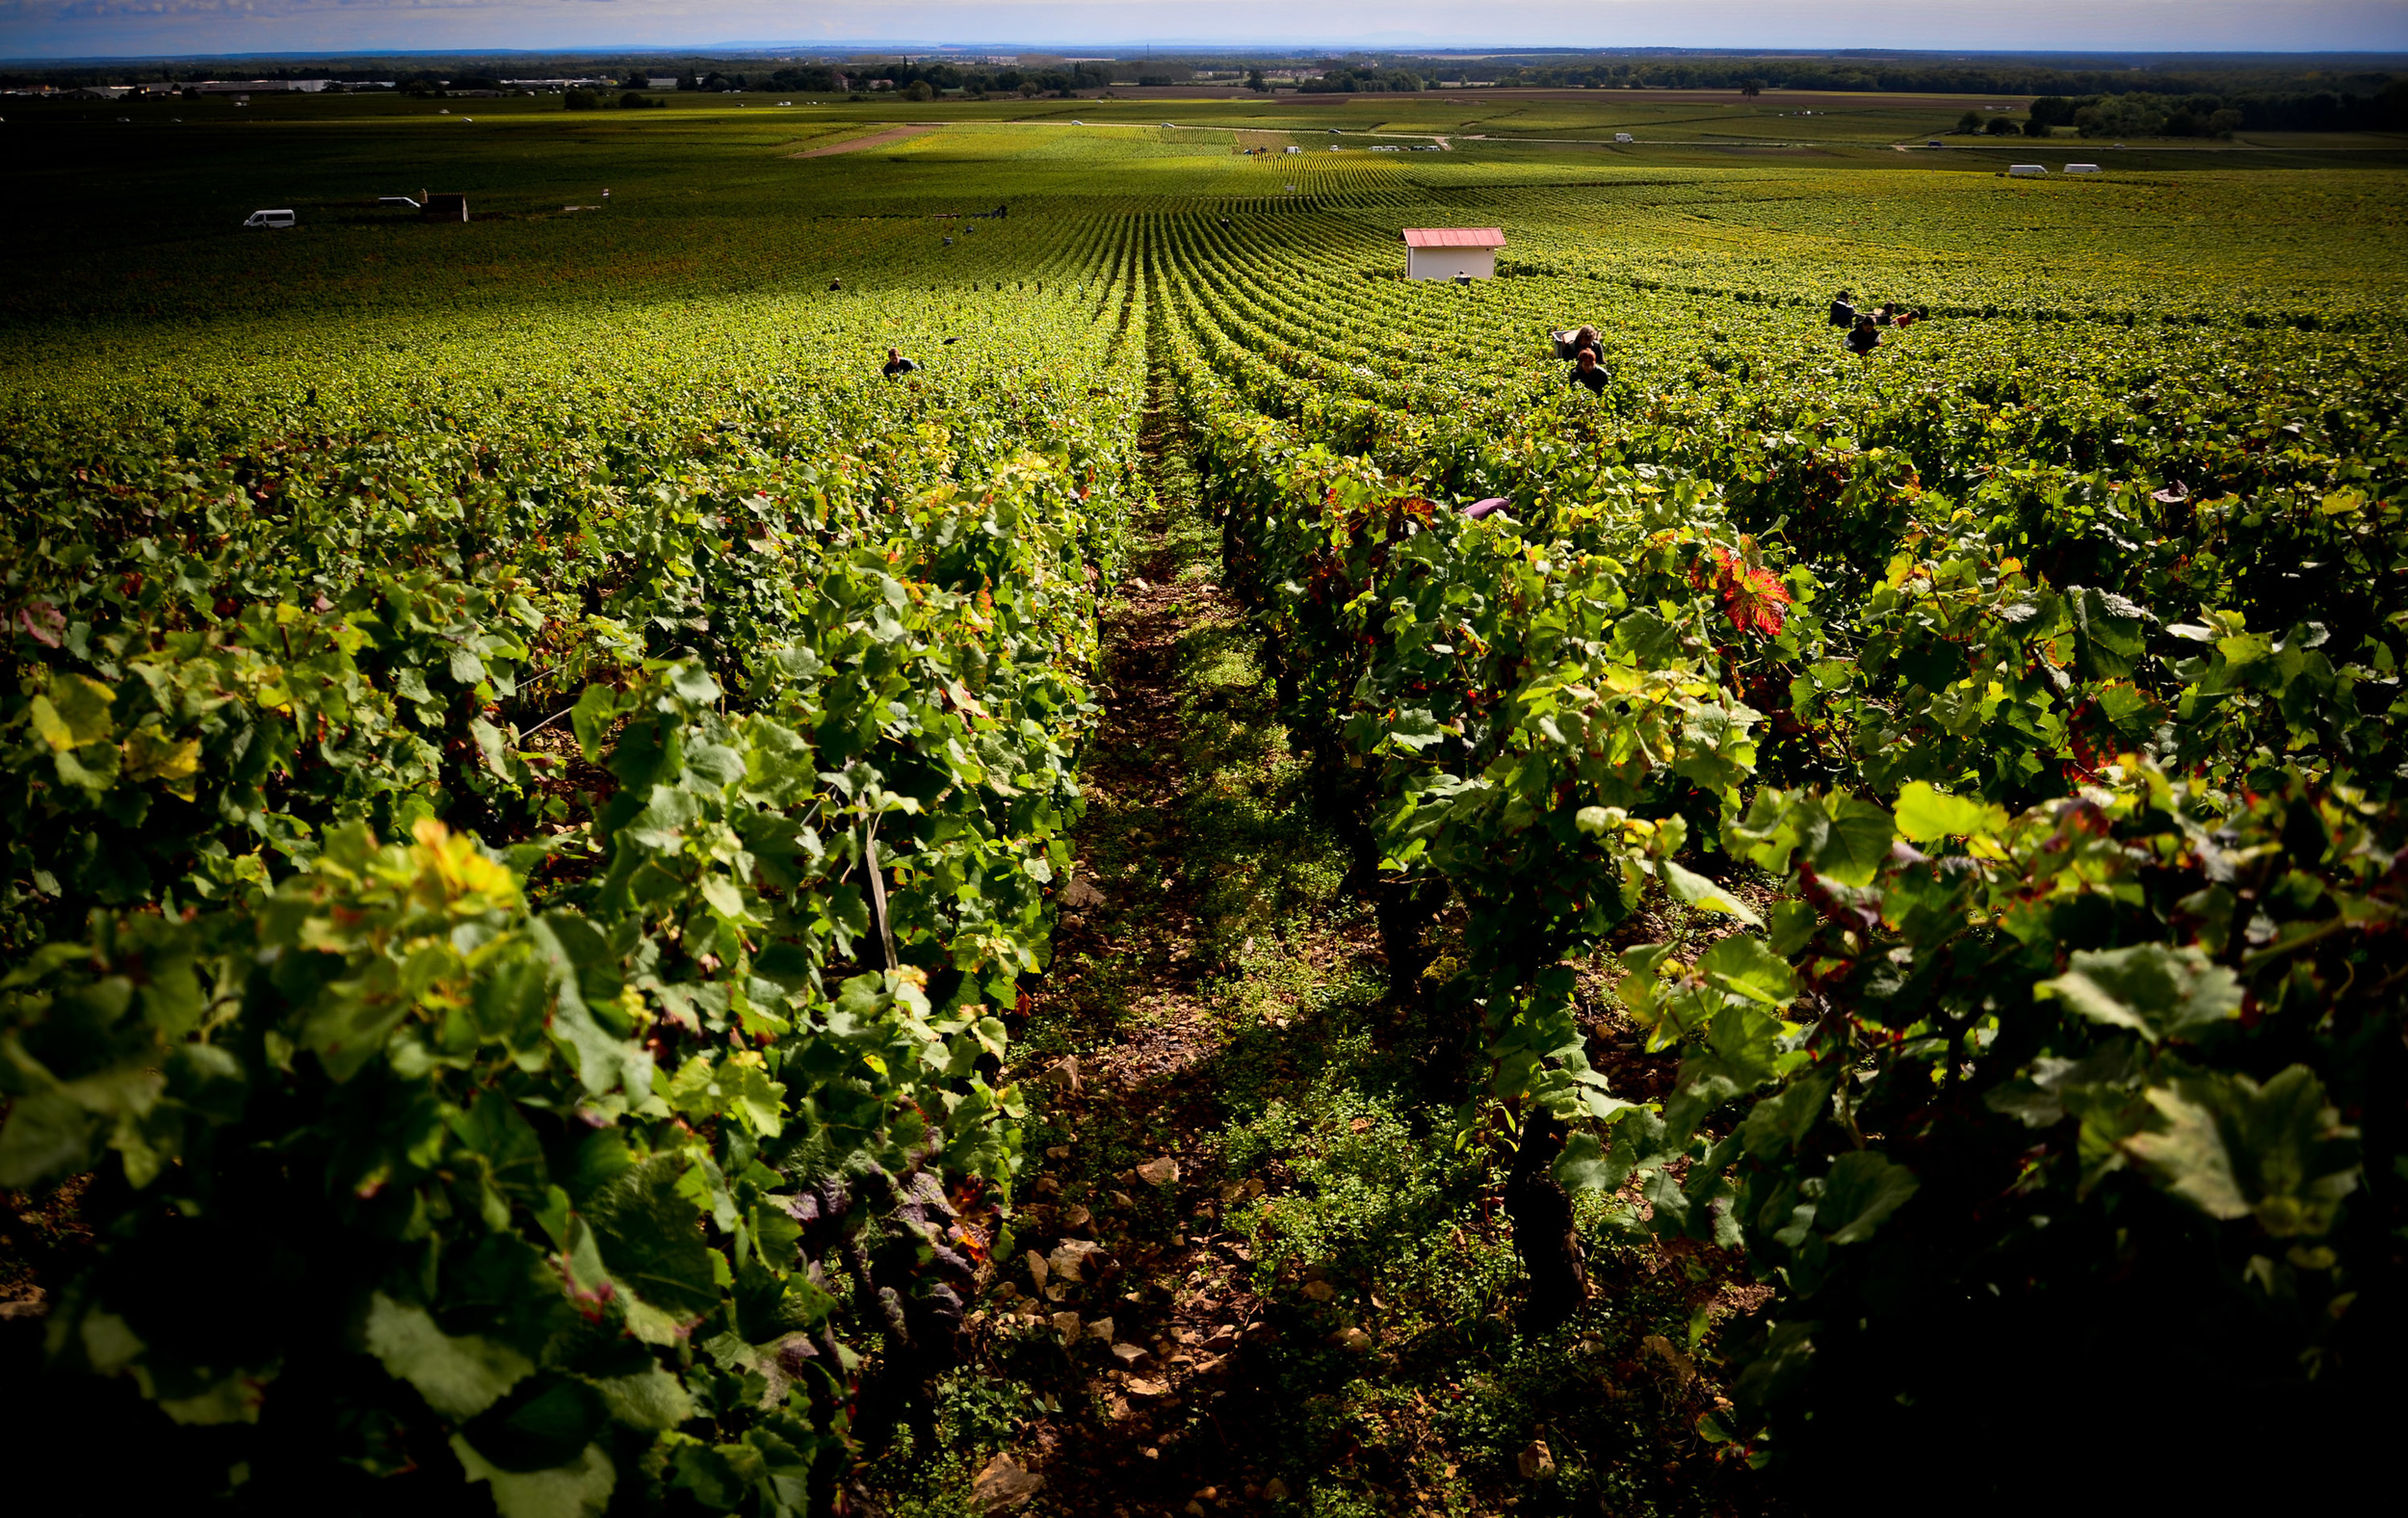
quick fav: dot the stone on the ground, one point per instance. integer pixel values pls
(1069, 1256)
(1003, 1484)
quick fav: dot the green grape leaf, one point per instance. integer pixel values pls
(459, 1378)
(1863, 1188)
(1784, 1119)
(542, 1425)
(2233, 1148)
(1745, 965)
(1416, 729)
(492, 749)
(650, 1237)
(495, 1130)
(49, 1136)
(1794, 926)
(597, 707)
(1695, 890)
(651, 1399)
(2188, 1154)
(695, 683)
(581, 1489)
(2159, 992)
(1849, 842)
(2114, 631)
(1583, 1165)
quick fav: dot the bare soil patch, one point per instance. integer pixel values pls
(883, 139)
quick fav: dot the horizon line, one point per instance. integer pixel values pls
(1109, 50)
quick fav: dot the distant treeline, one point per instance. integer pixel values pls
(711, 74)
(1908, 76)
(2255, 98)
(2268, 93)
(936, 75)
(2145, 114)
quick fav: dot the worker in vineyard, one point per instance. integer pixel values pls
(1588, 371)
(1843, 314)
(1586, 338)
(897, 365)
(1865, 338)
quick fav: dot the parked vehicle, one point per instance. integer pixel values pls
(269, 219)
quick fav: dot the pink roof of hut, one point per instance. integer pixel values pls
(1454, 237)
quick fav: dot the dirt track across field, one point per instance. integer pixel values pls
(875, 139)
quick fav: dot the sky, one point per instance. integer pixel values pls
(136, 28)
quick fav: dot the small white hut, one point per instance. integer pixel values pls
(1450, 252)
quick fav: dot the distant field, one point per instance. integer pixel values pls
(722, 196)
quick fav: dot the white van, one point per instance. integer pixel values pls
(2026, 170)
(2081, 169)
(269, 219)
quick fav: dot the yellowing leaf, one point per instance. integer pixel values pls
(1926, 815)
(75, 711)
(151, 755)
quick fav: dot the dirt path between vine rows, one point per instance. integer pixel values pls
(1121, 1308)
(875, 139)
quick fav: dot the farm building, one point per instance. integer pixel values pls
(1447, 253)
(258, 87)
